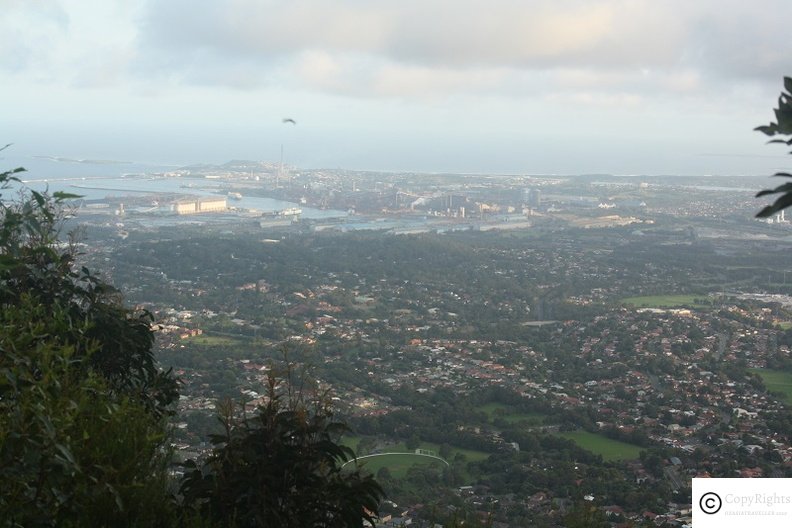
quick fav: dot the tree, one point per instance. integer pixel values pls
(413, 442)
(781, 127)
(281, 467)
(83, 407)
(445, 451)
(35, 263)
(384, 474)
(585, 515)
(82, 436)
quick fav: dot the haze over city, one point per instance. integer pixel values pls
(622, 87)
(426, 263)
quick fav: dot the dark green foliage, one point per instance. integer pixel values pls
(781, 127)
(71, 452)
(281, 467)
(35, 263)
(82, 438)
(585, 516)
(83, 404)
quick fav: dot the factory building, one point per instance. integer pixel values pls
(209, 205)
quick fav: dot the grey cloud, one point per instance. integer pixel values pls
(438, 41)
(459, 33)
(743, 39)
(27, 35)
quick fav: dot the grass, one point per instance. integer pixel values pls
(490, 408)
(666, 301)
(785, 325)
(398, 465)
(609, 449)
(350, 441)
(470, 454)
(510, 415)
(210, 340)
(777, 381)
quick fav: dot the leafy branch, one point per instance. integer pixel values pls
(781, 127)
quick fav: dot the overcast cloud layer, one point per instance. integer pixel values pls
(517, 86)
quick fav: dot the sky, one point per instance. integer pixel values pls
(493, 86)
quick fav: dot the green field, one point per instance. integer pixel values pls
(210, 340)
(398, 465)
(510, 414)
(785, 325)
(350, 441)
(777, 381)
(665, 301)
(602, 445)
(470, 454)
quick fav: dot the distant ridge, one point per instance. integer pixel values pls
(86, 161)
